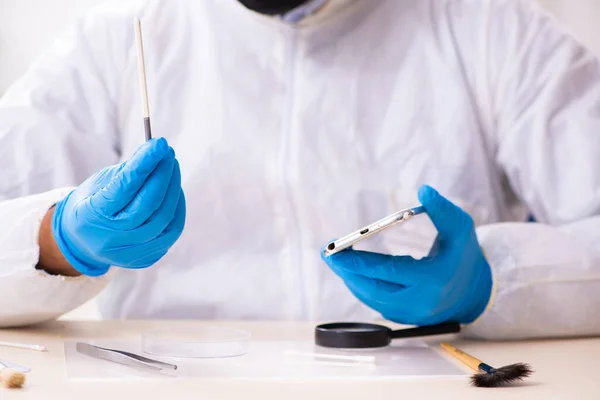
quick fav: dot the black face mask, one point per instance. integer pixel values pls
(272, 7)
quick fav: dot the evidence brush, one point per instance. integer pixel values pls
(488, 376)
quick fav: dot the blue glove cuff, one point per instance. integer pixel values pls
(86, 268)
(479, 296)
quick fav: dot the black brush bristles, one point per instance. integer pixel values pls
(502, 376)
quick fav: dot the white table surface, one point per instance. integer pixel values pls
(564, 369)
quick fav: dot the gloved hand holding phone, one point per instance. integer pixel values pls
(126, 215)
(452, 284)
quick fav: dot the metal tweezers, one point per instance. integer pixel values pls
(16, 367)
(122, 357)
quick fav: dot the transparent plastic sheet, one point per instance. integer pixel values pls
(269, 360)
(200, 342)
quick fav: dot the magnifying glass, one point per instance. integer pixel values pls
(355, 335)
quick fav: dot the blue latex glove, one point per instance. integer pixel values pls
(127, 215)
(452, 284)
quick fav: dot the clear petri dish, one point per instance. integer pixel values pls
(195, 342)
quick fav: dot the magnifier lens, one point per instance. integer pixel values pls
(352, 335)
(356, 329)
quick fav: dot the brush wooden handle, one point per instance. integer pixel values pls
(461, 356)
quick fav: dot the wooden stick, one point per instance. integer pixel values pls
(364, 359)
(36, 347)
(142, 76)
(461, 356)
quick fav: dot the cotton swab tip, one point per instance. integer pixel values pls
(39, 347)
(11, 379)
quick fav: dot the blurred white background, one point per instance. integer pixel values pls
(27, 27)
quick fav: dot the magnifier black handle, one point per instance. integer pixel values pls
(439, 329)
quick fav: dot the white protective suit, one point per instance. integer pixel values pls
(290, 135)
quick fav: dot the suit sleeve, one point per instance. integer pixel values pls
(546, 101)
(58, 125)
